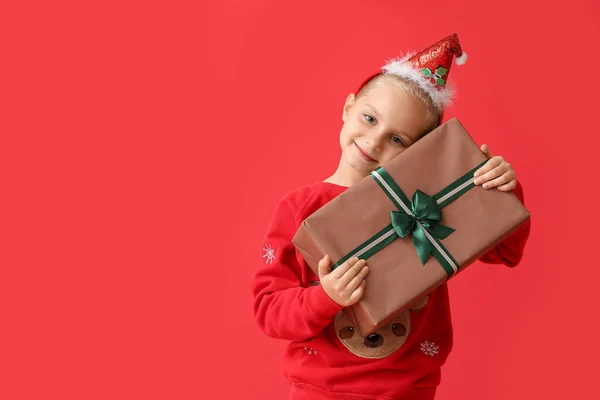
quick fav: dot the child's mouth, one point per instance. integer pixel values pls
(363, 154)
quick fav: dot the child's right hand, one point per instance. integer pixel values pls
(345, 284)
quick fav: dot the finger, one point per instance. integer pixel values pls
(357, 294)
(486, 150)
(490, 175)
(501, 180)
(323, 268)
(341, 270)
(488, 167)
(352, 272)
(358, 279)
(508, 186)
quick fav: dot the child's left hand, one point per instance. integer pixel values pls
(495, 173)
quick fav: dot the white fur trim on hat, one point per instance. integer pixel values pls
(401, 67)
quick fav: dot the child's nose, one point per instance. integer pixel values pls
(375, 142)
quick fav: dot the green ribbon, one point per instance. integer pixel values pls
(420, 217)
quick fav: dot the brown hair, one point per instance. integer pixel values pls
(433, 112)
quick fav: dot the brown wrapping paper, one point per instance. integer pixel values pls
(397, 278)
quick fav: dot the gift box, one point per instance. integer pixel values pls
(418, 221)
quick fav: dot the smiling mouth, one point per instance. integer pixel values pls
(365, 155)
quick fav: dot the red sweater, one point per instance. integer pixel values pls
(290, 304)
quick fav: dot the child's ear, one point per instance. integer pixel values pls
(350, 100)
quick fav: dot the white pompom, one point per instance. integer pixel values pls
(462, 59)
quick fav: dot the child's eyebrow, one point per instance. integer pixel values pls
(374, 110)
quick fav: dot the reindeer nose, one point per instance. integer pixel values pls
(374, 340)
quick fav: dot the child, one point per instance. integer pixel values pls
(389, 113)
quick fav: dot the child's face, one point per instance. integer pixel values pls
(379, 125)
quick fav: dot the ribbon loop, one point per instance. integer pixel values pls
(425, 208)
(402, 222)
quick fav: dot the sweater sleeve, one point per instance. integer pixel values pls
(283, 307)
(510, 251)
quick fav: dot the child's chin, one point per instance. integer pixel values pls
(364, 167)
(359, 164)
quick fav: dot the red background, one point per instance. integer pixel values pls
(144, 146)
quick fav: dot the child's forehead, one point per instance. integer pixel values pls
(395, 106)
(385, 94)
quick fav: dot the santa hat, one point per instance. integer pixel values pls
(429, 69)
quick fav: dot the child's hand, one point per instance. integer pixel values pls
(345, 284)
(495, 173)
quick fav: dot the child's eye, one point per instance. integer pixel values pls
(369, 119)
(397, 140)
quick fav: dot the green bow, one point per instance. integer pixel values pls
(426, 215)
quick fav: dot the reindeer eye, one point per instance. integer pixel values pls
(346, 332)
(398, 329)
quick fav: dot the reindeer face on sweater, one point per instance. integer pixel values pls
(382, 342)
(379, 344)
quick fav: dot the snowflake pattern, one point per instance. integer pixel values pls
(310, 350)
(429, 348)
(269, 254)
